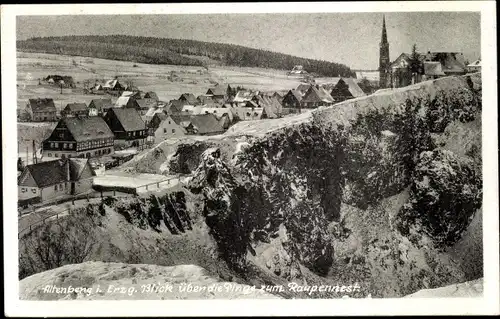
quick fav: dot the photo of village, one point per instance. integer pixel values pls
(182, 167)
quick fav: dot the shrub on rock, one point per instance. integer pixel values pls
(445, 193)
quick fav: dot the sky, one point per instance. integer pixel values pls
(348, 38)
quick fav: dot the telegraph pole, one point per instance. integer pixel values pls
(34, 153)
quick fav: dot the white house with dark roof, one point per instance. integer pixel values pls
(42, 110)
(49, 180)
(79, 137)
(99, 106)
(75, 109)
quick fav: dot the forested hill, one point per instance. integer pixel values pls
(174, 51)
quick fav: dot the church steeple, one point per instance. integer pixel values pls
(384, 57)
(384, 32)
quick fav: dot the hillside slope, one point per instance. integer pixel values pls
(176, 51)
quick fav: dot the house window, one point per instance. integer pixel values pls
(33, 190)
(23, 190)
(169, 122)
(51, 144)
(61, 135)
(56, 144)
(173, 130)
(55, 188)
(164, 130)
(70, 145)
(65, 145)
(49, 154)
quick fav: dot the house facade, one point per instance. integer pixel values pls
(127, 126)
(75, 109)
(42, 110)
(79, 137)
(162, 127)
(99, 106)
(292, 99)
(49, 180)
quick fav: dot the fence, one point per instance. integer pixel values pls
(33, 226)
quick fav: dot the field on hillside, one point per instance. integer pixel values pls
(147, 77)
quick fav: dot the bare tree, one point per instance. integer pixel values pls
(64, 241)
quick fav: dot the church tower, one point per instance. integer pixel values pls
(384, 58)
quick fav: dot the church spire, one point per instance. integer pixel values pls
(384, 32)
(384, 60)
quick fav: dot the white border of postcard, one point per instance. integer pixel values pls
(488, 304)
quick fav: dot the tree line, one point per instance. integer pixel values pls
(172, 51)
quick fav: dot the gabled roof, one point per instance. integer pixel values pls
(131, 93)
(75, 107)
(42, 105)
(303, 87)
(110, 84)
(189, 97)
(183, 120)
(243, 96)
(146, 103)
(352, 87)
(101, 104)
(475, 63)
(206, 124)
(296, 94)
(122, 101)
(151, 95)
(217, 91)
(152, 111)
(175, 106)
(129, 118)
(318, 95)
(87, 128)
(433, 68)
(56, 172)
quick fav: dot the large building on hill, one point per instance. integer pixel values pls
(79, 137)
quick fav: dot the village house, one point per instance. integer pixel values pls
(345, 89)
(292, 99)
(245, 98)
(188, 98)
(150, 114)
(145, 104)
(79, 137)
(113, 85)
(134, 94)
(175, 107)
(316, 96)
(201, 124)
(99, 107)
(127, 126)
(162, 126)
(432, 65)
(65, 80)
(271, 108)
(45, 181)
(42, 110)
(75, 109)
(216, 93)
(474, 66)
(151, 95)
